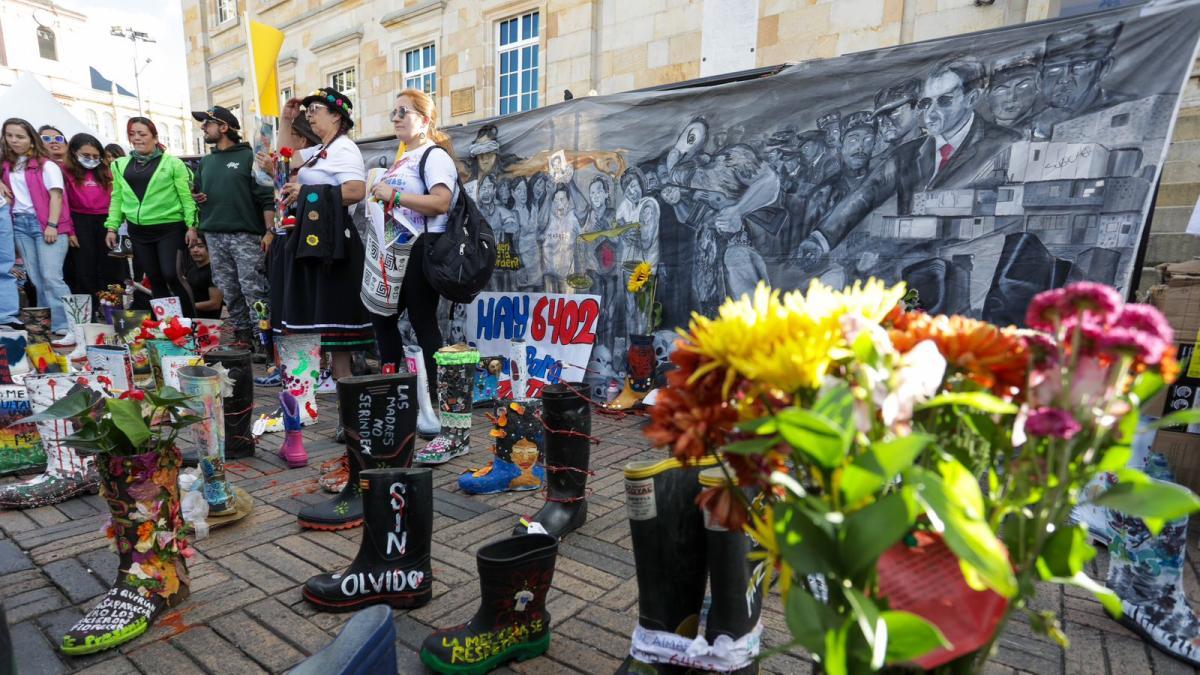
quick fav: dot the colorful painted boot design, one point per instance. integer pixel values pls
(517, 452)
(300, 366)
(292, 451)
(456, 372)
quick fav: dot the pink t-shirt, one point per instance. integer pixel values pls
(87, 196)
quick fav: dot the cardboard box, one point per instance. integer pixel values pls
(1183, 454)
(1181, 306)
(1181, 394)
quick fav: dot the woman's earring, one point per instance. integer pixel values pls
(422, 134)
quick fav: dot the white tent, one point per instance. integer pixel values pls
(29, 100)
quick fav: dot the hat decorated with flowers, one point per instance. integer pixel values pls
(334, 100)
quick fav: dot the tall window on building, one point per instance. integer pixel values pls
(420, 69)
(236, 111)
(110, 127)
(226, 10)
(346, 81)
(285, 95)
(47, 43)
(93, 120)
(177, 136)
(517, 54)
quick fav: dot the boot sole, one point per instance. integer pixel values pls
(395, 600)
(327, 527)
(297, 465)
(1150, 639)
(85, 649)
(521, 652)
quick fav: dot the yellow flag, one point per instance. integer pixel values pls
(265, 42)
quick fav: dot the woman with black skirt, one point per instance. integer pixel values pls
(323, 274)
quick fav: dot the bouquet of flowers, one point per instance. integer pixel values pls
(868, 430)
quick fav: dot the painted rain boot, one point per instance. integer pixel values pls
(20, 447)
(208, 435)
(670, 555)
(393, 565)
(516, 452)
(292, 451)
(300, 366)
(641, 362)
(147, 529)
(568, 425)
(731, 622)
(67, 472)
(428, 426)
(380, 417)
(1146, 572)
(238, 365)
(455, 380)
(512, 621)
(37, 323)
(79, 312)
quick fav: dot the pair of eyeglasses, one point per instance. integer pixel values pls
(401, 112)
(943, 101)
(314, 107)
(54, 139)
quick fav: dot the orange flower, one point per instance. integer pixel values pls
(995, 358)
(724, 507)
(691, 419)
(145, 530)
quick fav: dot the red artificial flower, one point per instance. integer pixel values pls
(286, 152)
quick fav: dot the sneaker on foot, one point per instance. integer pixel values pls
(325, 384)
(272, 379)
(67, 340)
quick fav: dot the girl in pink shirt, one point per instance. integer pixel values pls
(89, 188)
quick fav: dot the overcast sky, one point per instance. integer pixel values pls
(165, 79)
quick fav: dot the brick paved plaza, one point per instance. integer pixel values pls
(246, 614)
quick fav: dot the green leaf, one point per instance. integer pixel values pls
(65, 408)
(753, 446)
(806, 618)
(874, 630)
(1116, 457)
(815, 435)
(835, 659)
(955, 507)
(1145, 386)
(167, 397)
(1154, 501)
(978, 400)
(837, 405)
(127, 417)
(910, 637)
(1179, 418)
(1066, 552)
(803, 542)
(868, 532)
(881, 463)
(1106, 597)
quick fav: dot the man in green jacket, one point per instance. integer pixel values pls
(236, 216)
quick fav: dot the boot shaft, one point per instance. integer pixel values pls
(142, 493)
(642, 362)
(455, 381)
(734, 611)
(397, 513)
(567, 418)
(669, 545)
(239, 404)
(379, 414)
(514, 577)
(518, 432)
(43, 390)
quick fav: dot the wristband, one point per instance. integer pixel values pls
(395, 198)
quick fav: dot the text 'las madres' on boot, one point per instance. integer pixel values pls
(567, 418)
(380, 416)
(512, 621)
(392, 566)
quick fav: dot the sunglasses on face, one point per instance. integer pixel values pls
(943, 101)
(53, 139)
(402, 112)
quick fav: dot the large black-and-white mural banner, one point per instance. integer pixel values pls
(981, 169)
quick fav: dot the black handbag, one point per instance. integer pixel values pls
(459, 262)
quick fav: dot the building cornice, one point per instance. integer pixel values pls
(409, 13)
(334, 41)
(221, 84)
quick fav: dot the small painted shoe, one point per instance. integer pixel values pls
(292, 451)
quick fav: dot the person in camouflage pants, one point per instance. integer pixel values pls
(236, 216)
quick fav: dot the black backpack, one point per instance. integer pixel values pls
(459, 263)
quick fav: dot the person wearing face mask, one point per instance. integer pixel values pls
(33, 183)
(152, 191)
(89, 191)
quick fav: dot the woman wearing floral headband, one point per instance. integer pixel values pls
(319, 293)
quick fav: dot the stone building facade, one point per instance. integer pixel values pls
(483, 58)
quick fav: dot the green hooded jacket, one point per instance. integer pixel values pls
(236, 202)
(168, 197)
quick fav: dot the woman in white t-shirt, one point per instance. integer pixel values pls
(318, 293)
(393, 279)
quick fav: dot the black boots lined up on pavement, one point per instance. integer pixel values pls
(568, 426)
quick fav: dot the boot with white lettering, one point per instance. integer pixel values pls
(669, 553)
(455, 386)
(147, 531)
(512, 621)
(380, 416)
(392, 566)
(568, 424)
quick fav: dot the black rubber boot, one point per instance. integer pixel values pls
(239, 405)
(568, 424)
(512, 621)
(379, 413)
(392, 566)
(729, 572)
(669, 551)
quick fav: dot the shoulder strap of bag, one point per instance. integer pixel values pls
(421, 171)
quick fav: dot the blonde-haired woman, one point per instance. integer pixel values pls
(415, 204)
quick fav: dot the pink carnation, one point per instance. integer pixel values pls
(1146, 319)
(1144, 347)
(1043, 348)
(1052, 422)
(1045, 310)
(1090, 334)
(1097, 299)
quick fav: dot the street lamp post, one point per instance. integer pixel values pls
(135, 36)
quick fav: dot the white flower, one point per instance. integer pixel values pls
(917, 377)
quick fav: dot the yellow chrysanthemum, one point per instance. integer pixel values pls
(785, 342)
(639, 276)
(762, 530)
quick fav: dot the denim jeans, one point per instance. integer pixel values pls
(44, 264)
(9, 304)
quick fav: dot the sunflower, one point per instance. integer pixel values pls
(639, 276)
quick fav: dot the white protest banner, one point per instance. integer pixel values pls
(558, 329)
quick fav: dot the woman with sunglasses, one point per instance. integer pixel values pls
(319, 291)
(152, 192)
(33, 183)
(56, 143)
(89, 191)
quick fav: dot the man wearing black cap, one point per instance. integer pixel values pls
(236, 216)
(1013, 92)
(857, 145)
(896, 117)
(1075, 62)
